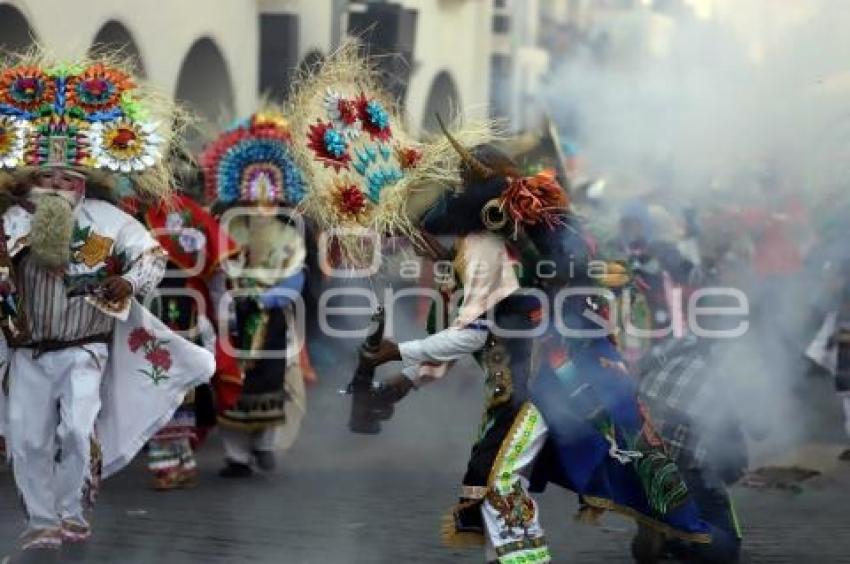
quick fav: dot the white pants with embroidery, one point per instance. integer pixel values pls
(239, 446)
(511, 518)
(54, 401)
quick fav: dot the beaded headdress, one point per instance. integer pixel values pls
(252, 162)
(89, 115)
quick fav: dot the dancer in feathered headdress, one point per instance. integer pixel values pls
(558, 393)
(89, 368)
(252, 177)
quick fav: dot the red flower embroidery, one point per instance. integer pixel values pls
(159, 358)
(139, 337)
(155, 353)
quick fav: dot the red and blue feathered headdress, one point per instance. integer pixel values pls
(252, 162)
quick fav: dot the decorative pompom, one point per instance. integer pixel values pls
(535, 199)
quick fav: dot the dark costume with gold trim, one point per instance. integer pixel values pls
(556, 411)
(560, 408)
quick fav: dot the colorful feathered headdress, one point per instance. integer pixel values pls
(252, 162)
(89, 115)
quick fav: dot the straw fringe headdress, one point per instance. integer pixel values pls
(361, 165)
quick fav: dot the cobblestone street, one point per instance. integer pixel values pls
(341, 498)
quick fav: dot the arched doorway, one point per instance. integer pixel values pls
(205, 87)
(15, 31)
(114, 36)
(443, 98)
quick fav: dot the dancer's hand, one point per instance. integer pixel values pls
(387, 352)
(394, 389)
(116, 289)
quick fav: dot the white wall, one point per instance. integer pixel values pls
(453, 36)
(164, 31)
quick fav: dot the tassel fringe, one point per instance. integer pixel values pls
(589, 515)
(453, 539)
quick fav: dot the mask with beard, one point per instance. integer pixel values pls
(52, 229)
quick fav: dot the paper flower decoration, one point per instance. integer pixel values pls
(374, 117)
(13, 134)
(408, 157)
(124, 146)
(262, 182)
(25, 89)
(343, 114)
(535, 199)
(331, 154)
(350, 201)
(335, 143)
(82, 114)
(97, 91)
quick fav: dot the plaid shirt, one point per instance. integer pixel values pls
(673, 385)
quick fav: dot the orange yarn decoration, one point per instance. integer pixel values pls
(535, 199)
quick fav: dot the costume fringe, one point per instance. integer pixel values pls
(589, 515)
(663, 528)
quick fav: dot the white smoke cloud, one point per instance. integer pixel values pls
(702, 104)
(761, 81)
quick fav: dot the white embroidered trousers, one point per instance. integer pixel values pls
(54, 401)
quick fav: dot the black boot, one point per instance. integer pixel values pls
(235, 470)
(265, 460)
(468, 518)
(647, 545)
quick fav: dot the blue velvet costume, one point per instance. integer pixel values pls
(598, 441)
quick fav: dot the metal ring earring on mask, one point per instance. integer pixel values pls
(493, 215)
